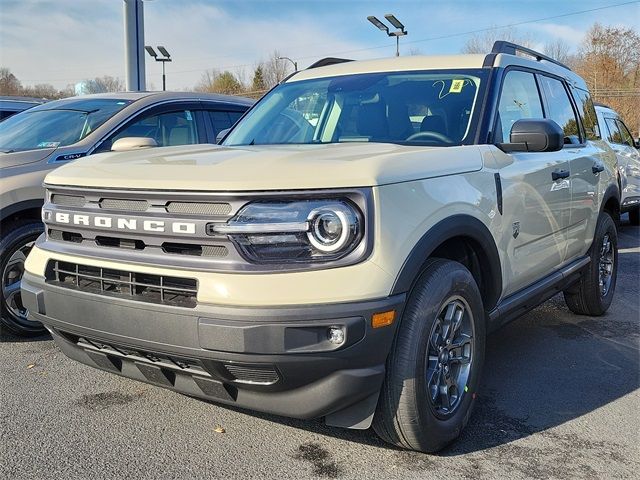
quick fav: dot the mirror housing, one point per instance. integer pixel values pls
(221, 135)
(534, 135)
(133, 143)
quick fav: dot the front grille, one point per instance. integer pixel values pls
(65, 236)
(253, 374)
(195, 250)
(199, 208)
(181, 292)
(124, 204)
(68, 200)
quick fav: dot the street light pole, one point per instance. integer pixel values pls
(400, 32)
(167, 58)
(295, 64)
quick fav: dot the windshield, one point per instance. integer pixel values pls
(422, 108)
(56, 127)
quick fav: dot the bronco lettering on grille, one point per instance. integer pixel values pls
(119, 223)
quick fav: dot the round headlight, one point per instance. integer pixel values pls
(329, 230)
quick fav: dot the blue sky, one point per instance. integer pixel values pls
(63, 41)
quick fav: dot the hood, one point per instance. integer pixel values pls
(15, 159)
(272, 167)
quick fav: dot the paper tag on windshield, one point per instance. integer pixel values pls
(48, 144)
(456, 86)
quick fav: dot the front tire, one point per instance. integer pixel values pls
(593, 294)
(17, 241)
(433, 370)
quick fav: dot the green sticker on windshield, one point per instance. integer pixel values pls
(48, 144)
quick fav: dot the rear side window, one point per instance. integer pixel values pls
(223, 120)
(627, 139)
(587, 113)
(560, 109)
(519, 99)
(614, 134)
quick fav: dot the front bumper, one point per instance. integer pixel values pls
(276, 360)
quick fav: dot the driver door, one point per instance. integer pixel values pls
(536, 190)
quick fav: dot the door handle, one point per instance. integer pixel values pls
(558, 174)
(597, 168)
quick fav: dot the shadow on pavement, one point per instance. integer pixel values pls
(9, 337)
(544, 369)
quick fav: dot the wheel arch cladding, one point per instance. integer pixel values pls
(611, 202)
(26, 207)
(462, 238)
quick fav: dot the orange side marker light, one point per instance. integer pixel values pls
(383, 319)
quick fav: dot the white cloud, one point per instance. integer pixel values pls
(554, 31)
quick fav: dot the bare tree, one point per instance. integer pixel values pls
(275, 70)
(483, 42)
(559, 50)
(610, 64)
(217, 82)
(9, 83)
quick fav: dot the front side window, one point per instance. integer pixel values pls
(560, 109)
(50, 127)
(416, 108)
(519, 99)
(587, 113)
(167, 129)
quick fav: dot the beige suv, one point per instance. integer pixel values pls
(346, 250)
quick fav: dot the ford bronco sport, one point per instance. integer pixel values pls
(345, 251)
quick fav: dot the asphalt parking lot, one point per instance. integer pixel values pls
(560, 399)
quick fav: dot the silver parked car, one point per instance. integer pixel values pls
(36, 141)
(616, 133)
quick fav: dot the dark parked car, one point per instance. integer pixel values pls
(10, 105)
(34, 142)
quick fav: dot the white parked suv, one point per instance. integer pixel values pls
(616, 133)
(345, 251)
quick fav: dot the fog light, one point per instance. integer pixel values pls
(335, 335)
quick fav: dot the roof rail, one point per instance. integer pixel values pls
(328, 61)
(500, 46)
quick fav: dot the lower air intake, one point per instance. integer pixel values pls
(180, 292)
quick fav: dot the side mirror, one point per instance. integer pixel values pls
(133, 143)
(222, 134)
(534, 135)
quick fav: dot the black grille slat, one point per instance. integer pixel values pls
(143, 287)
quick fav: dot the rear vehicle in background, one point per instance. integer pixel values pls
(616, 133)
(35, 142)
(10, 105)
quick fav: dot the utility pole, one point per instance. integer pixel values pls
(134, 45)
